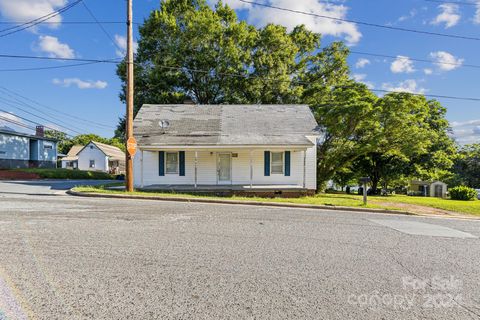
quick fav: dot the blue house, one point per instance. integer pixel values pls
(20, 150)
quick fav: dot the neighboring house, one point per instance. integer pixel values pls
(251, 148)
(20, 150)
(70, 161)
(95, 156)
(428, 188)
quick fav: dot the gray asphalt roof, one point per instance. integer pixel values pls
(20, 134)
(224, 125)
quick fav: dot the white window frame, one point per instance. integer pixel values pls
(166, 162)
(90, 163)
(271, 162)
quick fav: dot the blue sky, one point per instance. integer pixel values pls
(90, 92)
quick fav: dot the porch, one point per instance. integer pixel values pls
(253, 169)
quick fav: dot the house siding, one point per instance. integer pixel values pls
(14, 147)
(207, 168)
(18, 151)
(87, 154)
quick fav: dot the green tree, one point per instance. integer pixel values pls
(412, 141)
(349, 127)
(84, 139)
(190, 51)
(63, 140)
(345, 176)
(467, 166)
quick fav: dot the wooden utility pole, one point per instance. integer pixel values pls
(129, 114)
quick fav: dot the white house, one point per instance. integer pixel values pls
(428, 188)
(247, 148)
(95, 156)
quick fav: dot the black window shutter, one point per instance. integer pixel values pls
(181, 160)
(267, 163)
(287, 163)
(161, 163)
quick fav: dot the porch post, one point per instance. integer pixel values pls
(141, 168)
(196, 160)
(251, 170)
(304, 168)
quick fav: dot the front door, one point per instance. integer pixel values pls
(224, 168)
(438, 191)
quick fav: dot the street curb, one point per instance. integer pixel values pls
(240, 202)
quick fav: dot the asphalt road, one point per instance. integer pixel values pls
(64, 257)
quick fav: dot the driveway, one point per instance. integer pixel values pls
(64, 257)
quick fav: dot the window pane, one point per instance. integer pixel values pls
(277, 162)
(172, 162)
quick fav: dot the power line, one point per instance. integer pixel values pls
(56, 110)
(414, 59)
(28, 120)
(453, 2)
(13, 56)
(9, 102)
(34, 22)
(47, 68)
(362, 22)
(59, 122)
(100, 25)
(66, 22)
(226, 74)
(18, 123)
(307, 83)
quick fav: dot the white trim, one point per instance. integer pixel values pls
(304, 168)
(226, 182)
(251, 169)
(283, 162)
(141, 168)
(196, 168)
(177, 171)
(229, 147)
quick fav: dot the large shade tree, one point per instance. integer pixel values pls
(190, 51)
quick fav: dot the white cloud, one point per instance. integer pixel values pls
(360, 77)
(7, 125)
(361, 63)
(81, 84)
(408, 16)
(402, 64)
(455, 124)
(121, 43)
(409, 85)
(26, 10)
(55, 48)
(448, 15)
(234, 4)
(427, 71)
(476, 18)
(466, 132)
(446, 61)
(261, 16)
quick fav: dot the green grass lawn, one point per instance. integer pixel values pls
(470, 207)
(68, 174)
(320, 199)
(331, 199)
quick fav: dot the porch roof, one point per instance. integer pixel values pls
(225, 125)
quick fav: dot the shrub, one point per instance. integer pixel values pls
(69, 174)
(462, 193)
